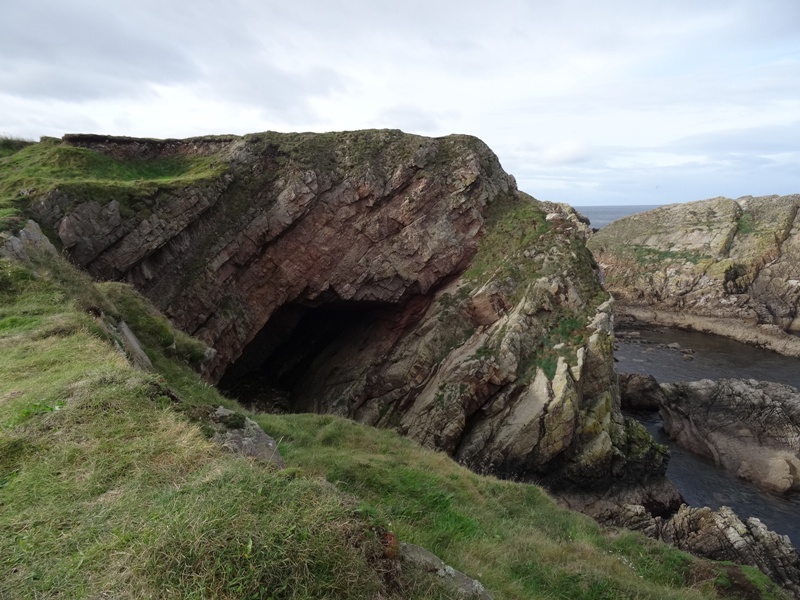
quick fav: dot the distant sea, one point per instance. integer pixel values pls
(601, 216)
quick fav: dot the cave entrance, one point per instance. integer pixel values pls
(292, 354)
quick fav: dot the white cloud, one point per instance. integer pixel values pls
(594, 103)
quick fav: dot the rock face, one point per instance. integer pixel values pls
(398, 280)
(751, 428)
(720, 265)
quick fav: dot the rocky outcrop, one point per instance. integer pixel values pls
(640, 392)
(399, 280)
(720, 265)
(719, 535)
(30, 237)
(748, 427)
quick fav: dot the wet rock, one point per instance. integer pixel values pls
(640, 392)
(748, 427)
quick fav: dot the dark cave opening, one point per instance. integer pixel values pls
(293, 348)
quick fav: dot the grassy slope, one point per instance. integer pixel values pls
(107, 488)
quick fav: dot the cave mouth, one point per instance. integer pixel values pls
(292, 348)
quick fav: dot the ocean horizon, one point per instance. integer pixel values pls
(600, 216)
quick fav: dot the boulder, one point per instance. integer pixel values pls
(640, 392)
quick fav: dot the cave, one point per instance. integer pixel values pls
(298, 349)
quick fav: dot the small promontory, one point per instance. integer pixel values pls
(723, 266)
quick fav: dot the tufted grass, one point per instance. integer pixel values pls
(106, 490)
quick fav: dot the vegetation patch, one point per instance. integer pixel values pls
(10, 145)
(745, 224)
(513, 226)
(37, 168)
(647, 255)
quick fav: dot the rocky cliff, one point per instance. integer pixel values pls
(720, 265)
(399, 280)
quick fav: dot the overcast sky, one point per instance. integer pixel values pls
(589, 102)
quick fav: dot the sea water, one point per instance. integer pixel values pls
(600, 216)
(700, 482)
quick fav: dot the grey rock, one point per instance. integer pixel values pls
(718, 535)
(132, 347)
(242, 435)
(29, 237)
(748, 427)
(640, 392)
(466, 587)
(32, 235)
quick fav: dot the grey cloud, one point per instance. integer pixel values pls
(752, 141)
(83, 50)
(408, 118)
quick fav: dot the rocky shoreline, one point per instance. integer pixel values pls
(721, 266)
(769, 337)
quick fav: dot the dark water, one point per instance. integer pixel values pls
(700, 482)
(601, 216)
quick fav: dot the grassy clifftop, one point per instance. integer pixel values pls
(108, 488)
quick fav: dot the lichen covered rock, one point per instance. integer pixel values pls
(719, 265)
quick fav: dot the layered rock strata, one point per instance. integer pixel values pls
(748, 427)
(719, 535)
(399, 280)
(724, 266)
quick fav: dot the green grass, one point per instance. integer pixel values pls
(512, 226)
(745, 224)
(513, 536)
(9, 145)
(84, 174)
(109, 489)
(646, 255)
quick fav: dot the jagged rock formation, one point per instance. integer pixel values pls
(724, 266)
(640, 392)
(748, 427)
(399, 280)
(719, 535)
